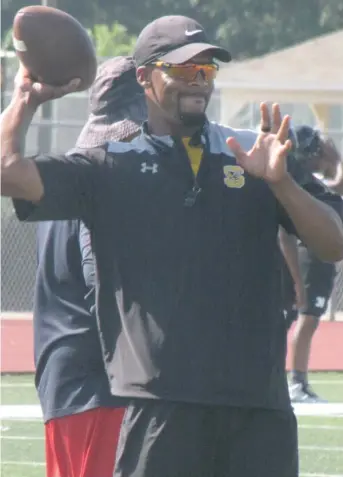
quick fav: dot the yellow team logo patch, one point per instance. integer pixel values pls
(234, 177)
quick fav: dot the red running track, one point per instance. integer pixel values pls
(17, 346)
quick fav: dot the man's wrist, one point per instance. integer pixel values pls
(283, 186)
(15, 121)
(23, 100)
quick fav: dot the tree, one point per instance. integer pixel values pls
(251, 28)
(7, 43)
(246, 27)
(112, 41)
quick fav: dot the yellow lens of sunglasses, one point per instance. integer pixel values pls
(189, 72)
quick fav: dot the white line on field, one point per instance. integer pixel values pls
(14, 462)
(301, 410)
(41, 464)
(318, 409)
(38, 420)
(22, 438)
(322, 428)
(329, 382)
(309, 474)
(320, 416)
(16, 316)
(300, 426)
(320, 448)
(307, 448)
(17, 385)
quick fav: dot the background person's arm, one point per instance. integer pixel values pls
(289, 248)
(336, 183)
(331, 165)
(314, 214)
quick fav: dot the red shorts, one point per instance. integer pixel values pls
(83, 445)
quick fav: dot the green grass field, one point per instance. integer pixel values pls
(22, 442)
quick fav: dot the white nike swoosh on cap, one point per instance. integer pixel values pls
(193, 32)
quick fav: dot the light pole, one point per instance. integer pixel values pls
(49, 3)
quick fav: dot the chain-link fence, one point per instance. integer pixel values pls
(18, 261)
(55, 128)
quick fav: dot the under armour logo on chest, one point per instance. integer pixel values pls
(147, 168)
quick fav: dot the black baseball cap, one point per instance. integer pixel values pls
(117, 104)
(309, 142)
(174, 39)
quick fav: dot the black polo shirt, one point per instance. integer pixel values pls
(189, 299)
(70, 374)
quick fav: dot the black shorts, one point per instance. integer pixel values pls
(164, 439)
(318, 278)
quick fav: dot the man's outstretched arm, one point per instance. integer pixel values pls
(20, 177)
(47, 186)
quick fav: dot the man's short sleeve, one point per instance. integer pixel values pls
(317, 189)
(70, 184)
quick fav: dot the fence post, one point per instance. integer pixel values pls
(45, 129)
(3, 82)
(49, 3)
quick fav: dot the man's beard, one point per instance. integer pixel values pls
(192, 120)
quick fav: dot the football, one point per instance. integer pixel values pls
(53, 46)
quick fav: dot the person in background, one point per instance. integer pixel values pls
(82, 418)
(309, 281)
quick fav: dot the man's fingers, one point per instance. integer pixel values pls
(265, 125)
(282, 134)
(25, 86)
(23, 71)
(277, 118)
(288, 145)
(236, 149)
(71, 87)
(235, 146)
(286, 148)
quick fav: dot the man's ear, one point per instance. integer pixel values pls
(143, 75)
